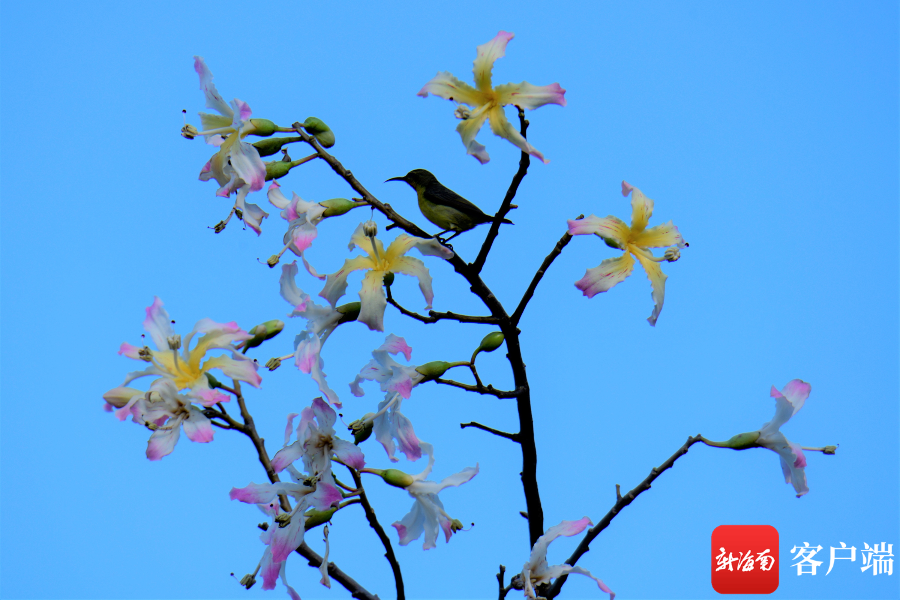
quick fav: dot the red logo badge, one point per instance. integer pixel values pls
(745, 559)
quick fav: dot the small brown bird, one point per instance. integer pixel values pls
(442, 206)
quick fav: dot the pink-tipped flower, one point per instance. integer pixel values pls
(787, 402)
(635, 241)
(427, 514)
(189, 368)
(536, 571)
(379, 262)
(487, 101)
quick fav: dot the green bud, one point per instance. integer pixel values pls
(742, 441)
(263, 127)
(213, 382)
(491, 342)
(433, 369)
(339, 206)
(350, 312)
(270, 146)
(277, 169)
(389, 279)
(397, 478)
(320, 130)
(314, 517)
(264, 331)
(361, 428)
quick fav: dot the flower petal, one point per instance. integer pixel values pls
(611, 230)
(349, 453)
(373, 301)
(659, 236)
(336, 284)
(530, 96)
(641, 208)
(469, 128)
(416, 268)
(214, 100)
(427, 247)
(446, 86)
(247, 164)
(197, 427)
(657, 282)
(605, 276)
(501, 126)
(162, 442)
(487, 54)
(286, 456)
(796, 391)
(394, 344)
(158, 324)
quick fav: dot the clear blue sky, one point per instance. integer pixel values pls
(767, 131)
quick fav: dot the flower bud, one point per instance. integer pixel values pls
(262, 127)
(320, 130)
(213, 382)
(362, 428)
(350, 312)
(264, 331)
(314, 517)
(339, 206)
(388, 279)
(397, 478)
(433, 369)
(742, 441)
(120, 396)
(489, 343)
(270, 146)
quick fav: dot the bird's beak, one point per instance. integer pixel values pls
(396, 179)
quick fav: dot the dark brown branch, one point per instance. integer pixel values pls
(356, 591)
(510, 436)
(562, 243)
(480, 289)
(386, 542)
(524, 162)
(434, 316)
(503, 591)
(621, 503)
(484, 390)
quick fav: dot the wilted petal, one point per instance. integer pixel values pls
(289, 290)
(373, 301)
(487, 54)
(605, 276)
(448, 87)
(530, 96)
(469, 128)
(501, 126)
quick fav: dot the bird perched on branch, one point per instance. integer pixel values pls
(442, 206)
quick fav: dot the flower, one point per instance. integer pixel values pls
(427, 514)
(237, 165)
(164, 411)
(635, 241)
(316, 444)
(787, 402)
(302, 218)
(380, 262)
(321, 321)
(488, 101)
(187, 370)
(537, 572)
(392, 376)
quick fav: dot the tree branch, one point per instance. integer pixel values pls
(562, 243)
(621, 503)
(484, 390)
(374, 524)
(505, 207)
(510, 436)
(434, 316)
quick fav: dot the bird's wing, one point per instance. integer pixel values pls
(447, 197)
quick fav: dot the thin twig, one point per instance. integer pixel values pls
(502, 590)
(434, 316)
(374, 524)
(524, 161)
(621, 503)
(484, 390)
(562, 243)
(510, 436)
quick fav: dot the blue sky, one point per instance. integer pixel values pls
(768, 132)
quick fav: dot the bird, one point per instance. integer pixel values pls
(442, 206)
